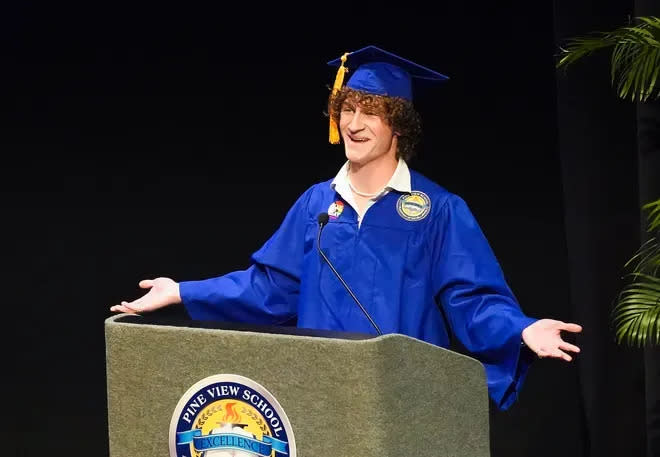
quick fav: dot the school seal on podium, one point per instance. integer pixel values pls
(228, 415)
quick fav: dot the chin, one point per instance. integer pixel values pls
(357, 157)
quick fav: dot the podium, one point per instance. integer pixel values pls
(193, 389)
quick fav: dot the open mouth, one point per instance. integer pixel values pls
(357, 139)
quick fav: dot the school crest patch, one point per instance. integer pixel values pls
(414, 206)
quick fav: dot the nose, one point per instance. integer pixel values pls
(356, 124)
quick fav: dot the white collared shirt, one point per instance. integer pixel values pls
(400, 181)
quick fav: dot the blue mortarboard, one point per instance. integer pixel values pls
(379, 72)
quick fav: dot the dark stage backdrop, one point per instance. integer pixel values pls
(610, 168)
(648, 153)
(597, 139)
(140, 142)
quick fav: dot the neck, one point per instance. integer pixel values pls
(371, 177)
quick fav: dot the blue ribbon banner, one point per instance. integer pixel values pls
(232, 441)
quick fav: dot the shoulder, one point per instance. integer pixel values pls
(319, 192)
(313, 198)
(440, 198)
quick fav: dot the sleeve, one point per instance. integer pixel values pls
(266, 293)
(482, 311)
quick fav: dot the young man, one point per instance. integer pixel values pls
(412, 253)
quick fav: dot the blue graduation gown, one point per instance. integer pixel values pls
(401, 270)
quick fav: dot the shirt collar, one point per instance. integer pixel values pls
(400, 180)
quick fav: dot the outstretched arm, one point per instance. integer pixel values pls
(483, 312)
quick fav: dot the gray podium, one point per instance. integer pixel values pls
(340, 397)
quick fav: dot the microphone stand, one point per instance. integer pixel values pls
(323, 219)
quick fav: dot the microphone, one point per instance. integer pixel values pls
(323, 219)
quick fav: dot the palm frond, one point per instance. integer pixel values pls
(636, 316)
(577, 48)
(654, 215)
(635, 60)
(647, 259)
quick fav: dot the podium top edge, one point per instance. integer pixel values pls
(134, 320)
(146, 320)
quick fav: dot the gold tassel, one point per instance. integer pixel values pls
(339, 80)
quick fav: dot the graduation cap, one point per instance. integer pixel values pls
(379, 72)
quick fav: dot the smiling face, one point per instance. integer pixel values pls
(396, 117)
(367, 135)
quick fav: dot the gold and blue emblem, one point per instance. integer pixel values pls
(228, 415)
(414, 206)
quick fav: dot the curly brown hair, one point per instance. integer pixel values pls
(398, 112)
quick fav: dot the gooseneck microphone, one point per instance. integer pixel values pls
(323, 219)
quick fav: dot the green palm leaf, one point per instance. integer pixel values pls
(635, 61)
(636, 316)
(647, 259)
(654, 215)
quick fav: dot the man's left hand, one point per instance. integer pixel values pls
(544, 338)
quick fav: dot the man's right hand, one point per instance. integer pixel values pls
(162, 292)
